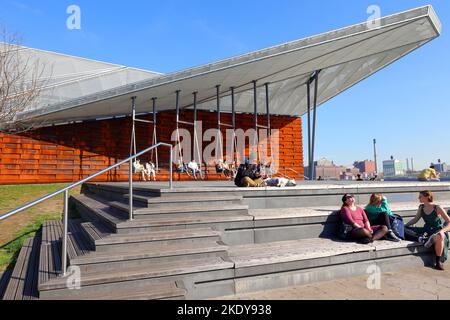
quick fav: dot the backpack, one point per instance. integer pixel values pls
(398, 226)
(239, 175)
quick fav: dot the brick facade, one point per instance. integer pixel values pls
(71, 152)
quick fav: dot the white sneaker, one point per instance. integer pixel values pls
(431, 241)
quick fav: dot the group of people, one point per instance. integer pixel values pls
(374, 223)
(253, 176)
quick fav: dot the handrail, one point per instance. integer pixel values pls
(73, 185)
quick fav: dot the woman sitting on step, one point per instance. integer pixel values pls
(379, 213)
(357, 218)
(435, 219)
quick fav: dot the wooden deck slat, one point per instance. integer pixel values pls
(15, 286)
(30, 291)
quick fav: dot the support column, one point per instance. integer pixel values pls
(316, 88)
(308, 98)
(255, 101)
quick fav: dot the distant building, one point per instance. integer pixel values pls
(393, 167)
(327, 169)
(366, 166)
(350, 174)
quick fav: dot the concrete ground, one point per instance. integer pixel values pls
(422, 283)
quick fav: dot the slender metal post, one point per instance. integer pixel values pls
(155, 140)
(64, 239)
(269, 135)
(177, 105)
(130, 172)
(308, 98)
(316, 87)
(133, 127)
(171, 168)
(255, 102)
(195, 106)
(375, 154)
(218, 105)
(233, 124)
(233, 109)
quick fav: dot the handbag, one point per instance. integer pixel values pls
(344, 231)
(397, 225)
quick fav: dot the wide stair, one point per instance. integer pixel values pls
(194, 245)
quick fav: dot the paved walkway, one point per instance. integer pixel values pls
(421, 283)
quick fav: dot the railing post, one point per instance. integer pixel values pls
(64, 238)
(130, 193)
(171, 169)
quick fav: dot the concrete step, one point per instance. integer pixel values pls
(94, 209)
(101, 283)
(181, 210)
(160, 291)
(151, 240)
(320, 221)
(280, 264)
(185, 200)
(107, 261)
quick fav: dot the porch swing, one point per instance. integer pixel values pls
(152, 167)
(192, 168)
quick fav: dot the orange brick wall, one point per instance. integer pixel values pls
(71, 152)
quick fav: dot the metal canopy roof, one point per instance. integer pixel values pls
(345, 56)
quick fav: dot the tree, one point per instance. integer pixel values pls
(21, 82)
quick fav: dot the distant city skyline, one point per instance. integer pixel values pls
(380, 166)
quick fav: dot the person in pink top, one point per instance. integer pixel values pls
(357, 218)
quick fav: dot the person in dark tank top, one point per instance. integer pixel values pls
(437, 225)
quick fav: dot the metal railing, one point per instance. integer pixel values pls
(67, 189)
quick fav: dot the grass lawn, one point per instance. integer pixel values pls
(16, 229)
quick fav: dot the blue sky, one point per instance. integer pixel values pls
(405, 106)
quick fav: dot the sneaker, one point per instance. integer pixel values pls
(392, 237)
(431, 241)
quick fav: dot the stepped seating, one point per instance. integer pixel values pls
(196, 245)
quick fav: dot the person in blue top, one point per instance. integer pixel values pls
(378, 213)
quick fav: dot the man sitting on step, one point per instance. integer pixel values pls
(249, 175)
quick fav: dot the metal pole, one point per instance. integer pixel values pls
(64, 238)
(375, 155)
(177, 103)
(308, 95)
(155, 123)
(255, 101)
(233, 123)
(218, 105)
(130, 172)
(133, 127)
(233, 109)
(269, 136)
(171, 168)
(316, 88)
(195, 126)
